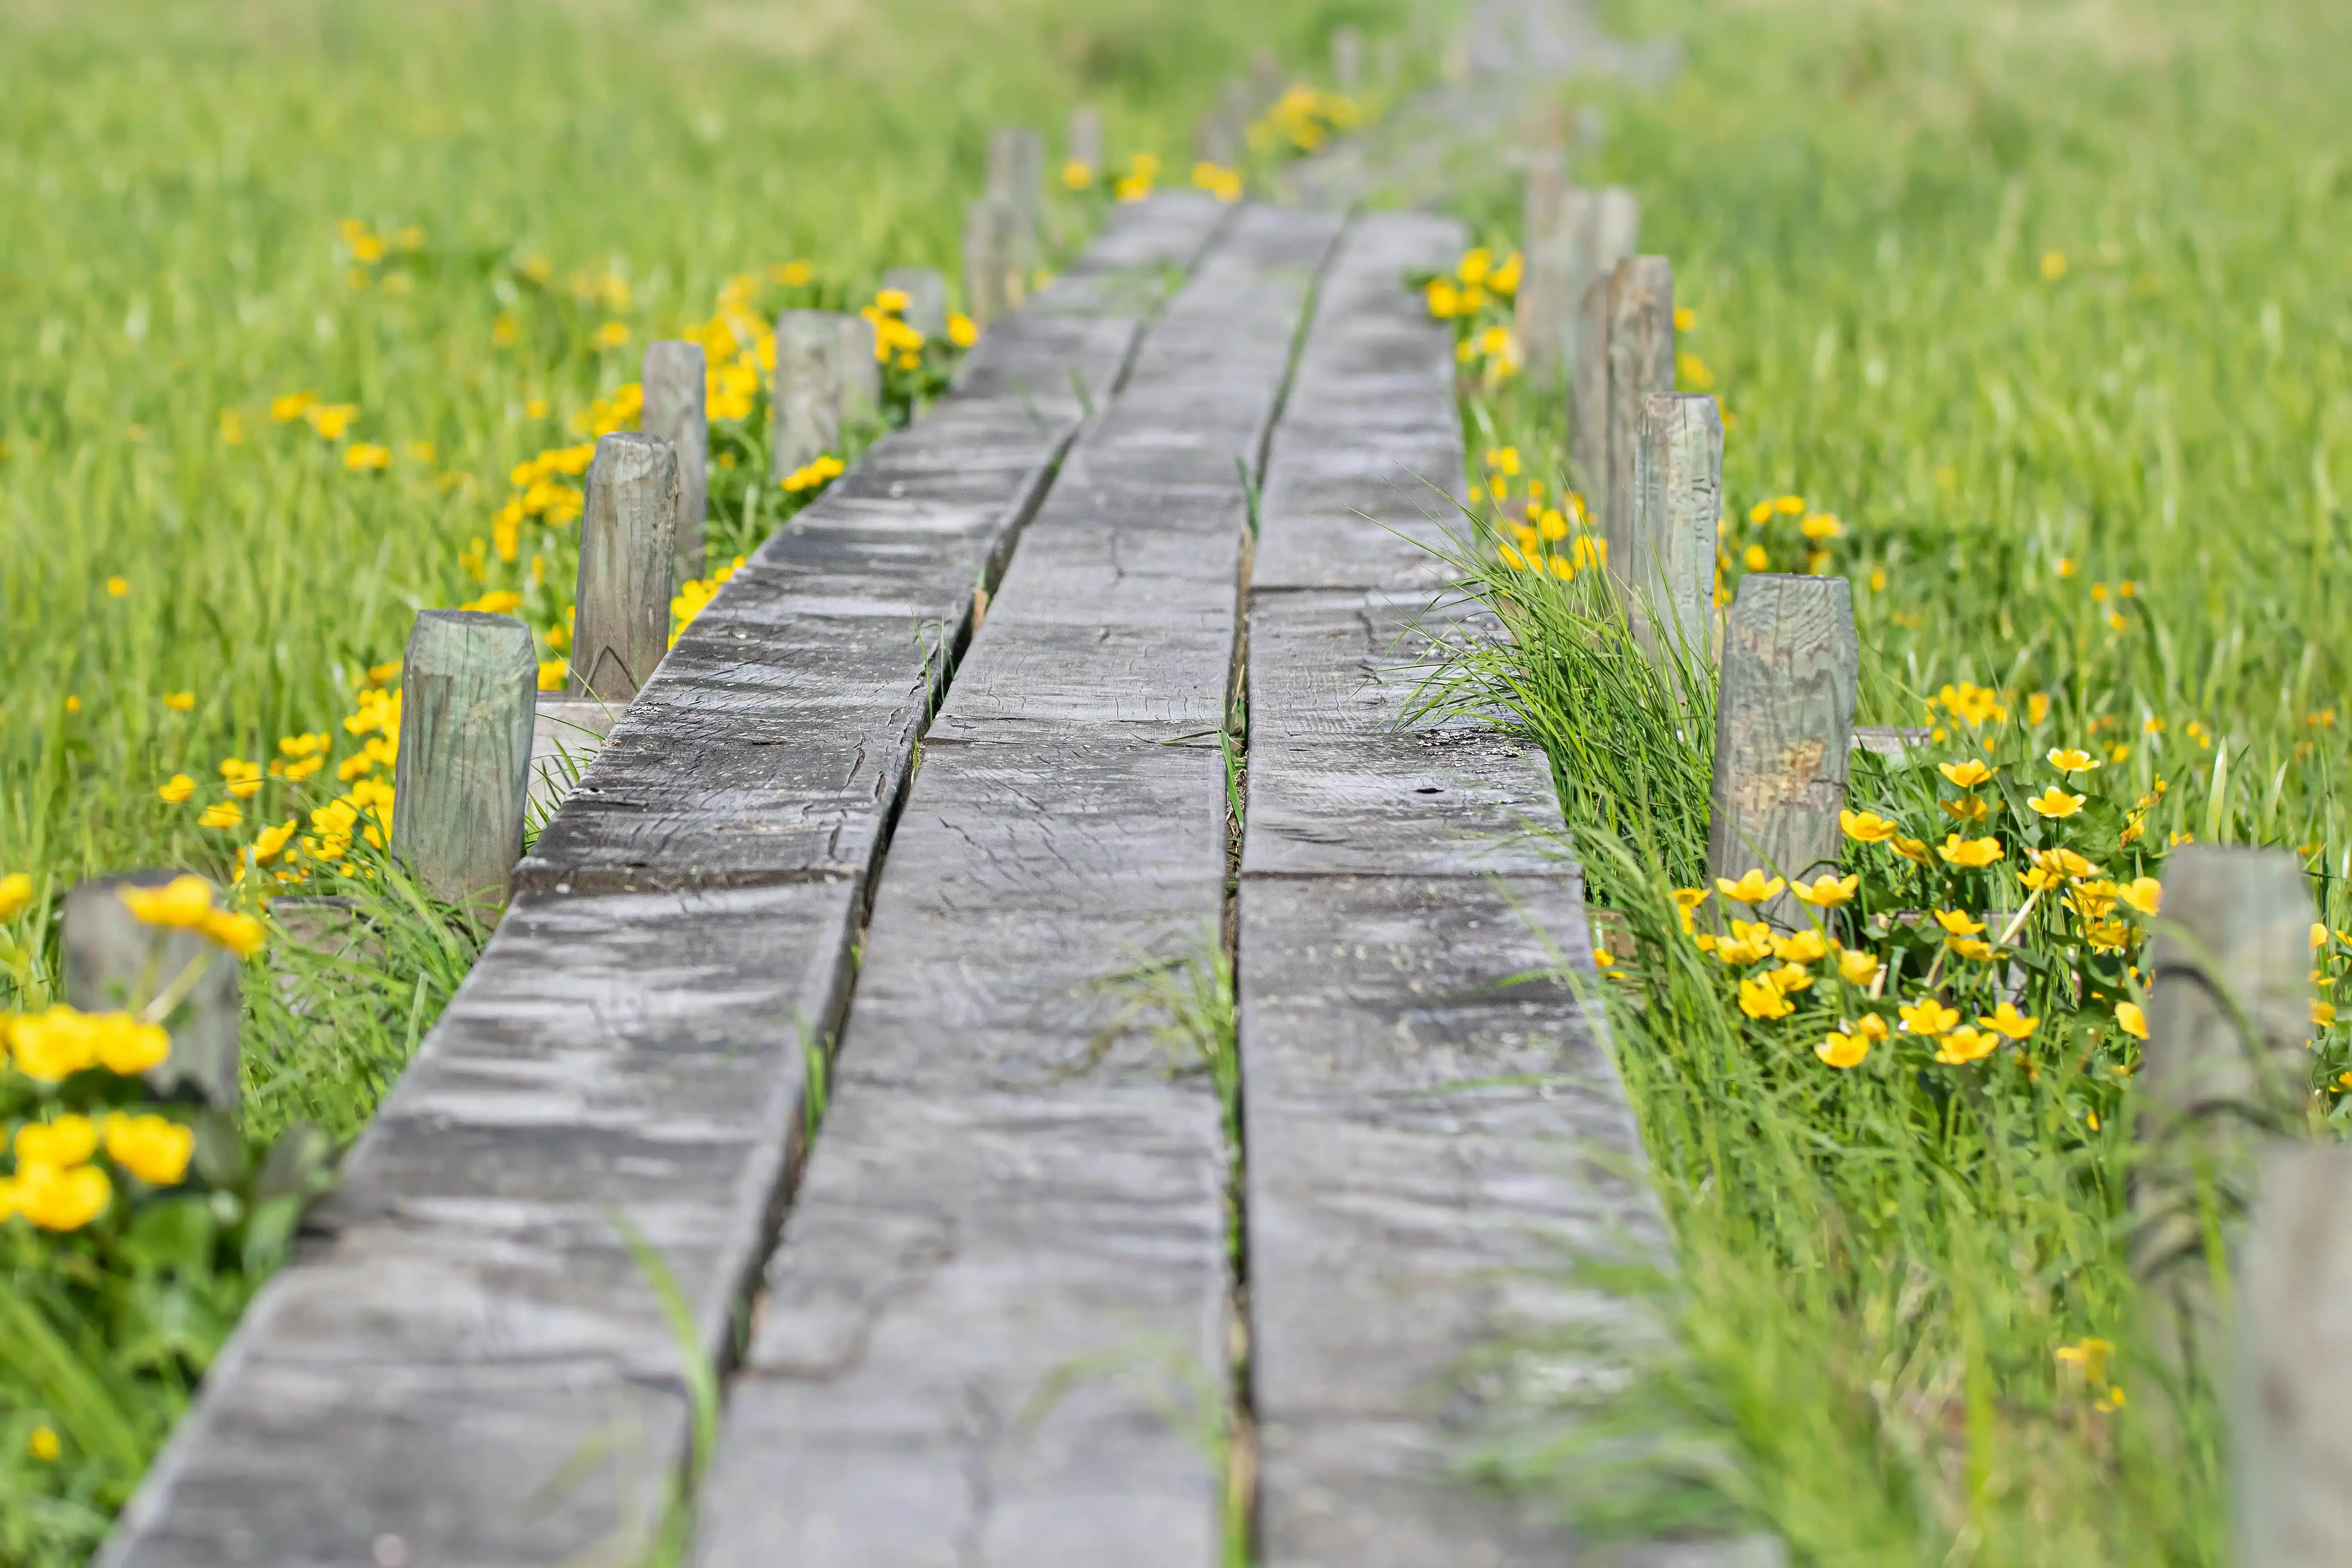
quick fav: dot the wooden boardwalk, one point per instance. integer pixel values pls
(998, 1325)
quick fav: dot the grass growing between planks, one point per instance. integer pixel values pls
(2028, 320)
(292, 288)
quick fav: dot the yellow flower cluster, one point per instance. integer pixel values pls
(1135, 183)
(895, 341)
(1477, 282)
(1815, 529)
(1559, 541)
(1225, 184)
(55, 1187)
(537, 491)
(1303, 119)
(695, 595)
(813, 475)
(186, 903)
(52, 1045)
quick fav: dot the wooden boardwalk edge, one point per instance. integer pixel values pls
(464, 1364)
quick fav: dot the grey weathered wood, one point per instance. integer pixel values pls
(1893, 742)
(1641, 362)
(1430, 1151)
(115, 964)
(676, 380)
(1016, 170)
(1616, 227)
(807, 412)
(1223, 137)
(2229, 1025)
(2291, 1392)
(1014, 1194)
(996, 258)
(464, 1356)
(1086, 144)
(627, 532)
(1783, 731)
(1544, 312)
(1347, 59)
(468, 687)
(1266, 80)
(861, 373)
(1677, 501)
(926, 288)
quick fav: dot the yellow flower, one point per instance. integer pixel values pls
(1503, 459)
(1806, 946)
(1687, 900)
(611, 335)
(551, 674)
(2131, 1020)
(221, 813)
(68, 1141)
(1755, 558)
(1959, 922)
(330, 419)
(1750, 942)
(962, 330)
(271, 841)
(43, 1444)
(2054, 801)
(2007, 1020)
(1790, 978)
(117, 587)
(179, 701)
(2072, 759)
(1752, 888)
(62, 1200)
(16, 892)
(366, 456)
(1821, 525)
(1966, 1044)
(1077, 174)
(1968, 809)
(1762, 999)
(182, 902)
(1789, 505)
(1970, 947)
(1827, 890)
(498, 602)
(152, 1148)
(1866, 827)
(1475, 264)
(2322, 1014)
(1913, 849)
(241, 935)
(1857, 968)
(1972, 852)
(2145, 894)
(2053, 265)
(1840, 1050)
(2318, 935)
(1967, 774)
(1927, 1017)
(291, 406)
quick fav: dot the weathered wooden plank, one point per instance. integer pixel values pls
(1783, 731)
(1010, 1213)
(468, 685)
(465, 1357)
(463, 1365)
(1419, 1131)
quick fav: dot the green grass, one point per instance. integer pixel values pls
(2037, 299)
(175, 181)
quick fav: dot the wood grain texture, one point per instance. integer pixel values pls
(1432, 1144)
(998, 250)
(806, 417)
(1588, 414)
(113, 963)
(1783, 731)
(861, 373)
(463, 1328)
(2291, 1455)
(2226, 1063)
(1677, 503)
(1015, 1209)
(468, 691)
(463, 1354)
(628, 551)
(675, 381)
(1641, 362)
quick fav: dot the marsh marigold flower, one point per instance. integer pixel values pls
(1866, 827)
(1974, 853)
(2054, 802)
(2007, 1020)
(1927, 1017)
(61, 1200)
(1967, 774)
(182, 901)
(179, 701)
(2072, 759)
(1761, 999)
(16, 892)
(1842, 1049)
(1857, 968)
(1964, 1045)
(2131, 1020)
(152, 1148)
(2145, 894)
(1752, 888)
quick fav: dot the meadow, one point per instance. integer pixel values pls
(310, 313)
(2029, 321)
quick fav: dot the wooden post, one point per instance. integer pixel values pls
(1347, 61)
(807, 415)
(1783, 729)
(1603, 225)
(116, 963)
(995, 258)
(2228, 1024)
(1641, 362)
(676, 380)
(1085, 145)
(1017, 172)
(469, 693)
(925, 290)
(1677, 501)
(1545, 307)
(1616, 227)
(860, 372)
(2290, 1395)
(621, 614)
(1266, 81)
(1224, 134)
